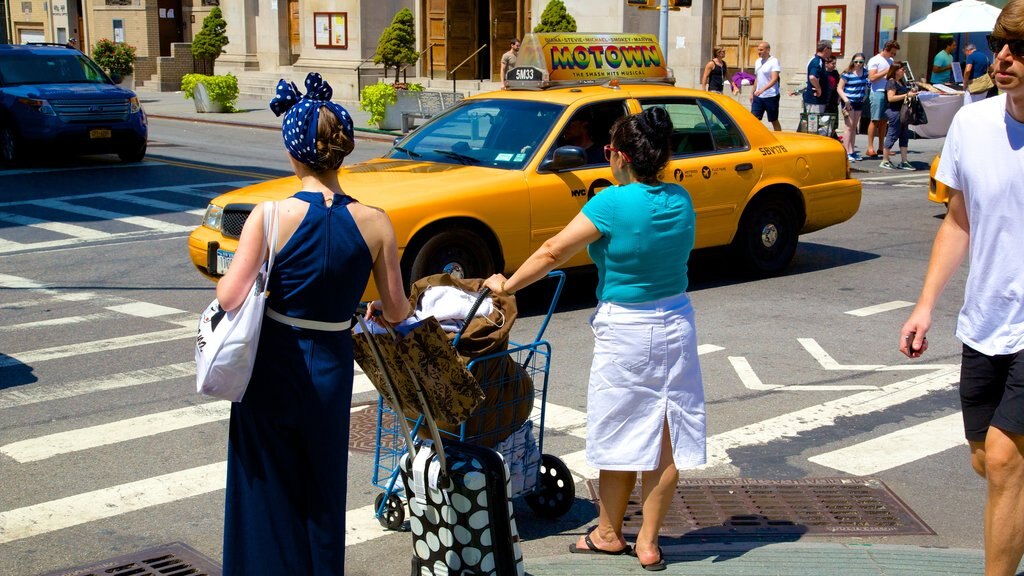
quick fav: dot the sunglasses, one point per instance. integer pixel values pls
(608, 149)
(858, 61)
(995, 44)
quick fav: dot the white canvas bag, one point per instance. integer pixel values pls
(227, 341)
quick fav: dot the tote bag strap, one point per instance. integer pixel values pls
(270, 228)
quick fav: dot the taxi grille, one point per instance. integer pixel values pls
(85, 111)
(234, 219)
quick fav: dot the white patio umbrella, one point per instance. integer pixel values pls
(962, 16)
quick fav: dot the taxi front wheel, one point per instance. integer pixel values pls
(767, 237)
(457, 252)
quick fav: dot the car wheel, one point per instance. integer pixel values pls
(132, 153)
(767, 237)
(10, 148)
(459, 252)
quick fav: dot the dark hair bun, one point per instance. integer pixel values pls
(658, 124)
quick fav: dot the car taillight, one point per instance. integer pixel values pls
(41, 106)
(134, 103)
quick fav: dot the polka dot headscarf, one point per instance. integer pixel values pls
(303, 115)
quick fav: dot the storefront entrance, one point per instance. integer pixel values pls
(455, 29)
(739, 28)
(169, 17)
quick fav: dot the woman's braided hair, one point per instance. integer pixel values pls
(647, 139)
(332, 144)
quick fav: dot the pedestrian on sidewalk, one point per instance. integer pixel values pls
(816, 91)
(978, 65)
(831, 80)
(982, 163)
(764, 94)
(713, 79)
(896, 92)
(878, 67)
(508, 61)
(942, 64)
(288, 438)
(853, 90)
(645, 402)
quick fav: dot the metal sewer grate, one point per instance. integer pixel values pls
(362, 428)
(175, 559)
(812, 506)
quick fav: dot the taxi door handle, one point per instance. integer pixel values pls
(744, 167)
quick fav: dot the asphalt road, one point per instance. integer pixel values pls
(106, 449)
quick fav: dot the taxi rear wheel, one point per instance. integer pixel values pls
(458, 252)
(767, 238)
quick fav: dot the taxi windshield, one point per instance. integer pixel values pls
(495, 133)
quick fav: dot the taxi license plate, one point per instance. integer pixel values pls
(99, 133)
(224, 260)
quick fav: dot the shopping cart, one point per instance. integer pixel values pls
(547, 485)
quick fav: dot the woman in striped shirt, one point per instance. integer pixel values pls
(853, 90)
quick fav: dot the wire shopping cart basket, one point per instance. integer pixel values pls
(512, 424)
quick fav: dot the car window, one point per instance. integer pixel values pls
(699, 126)
(25, 68)
(590, 128)
(497, 133)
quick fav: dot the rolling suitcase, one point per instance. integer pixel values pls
(460, 498)
(462, 522)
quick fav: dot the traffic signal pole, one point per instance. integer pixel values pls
(663, 28)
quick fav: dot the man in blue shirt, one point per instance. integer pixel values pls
(977, 63)
(816, 91)
(942, 65)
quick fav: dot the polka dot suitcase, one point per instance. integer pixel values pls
(462, 522)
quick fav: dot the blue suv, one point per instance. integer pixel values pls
(54, 97)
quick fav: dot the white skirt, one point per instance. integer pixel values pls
(645, 370)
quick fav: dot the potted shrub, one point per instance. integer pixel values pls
(385, 102)
(556, 18)
(211, 93)
(210, 41)
(396, 46)
(118, 59)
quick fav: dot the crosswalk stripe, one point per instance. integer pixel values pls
(11, 246)
(158, 204)
(106, 345)
(792, 424)
(51, 322)
(145, 309)
(73, 230)
(879, 308)
(197, 190)
(14, 397)
(898, 448)
(140, 221)
(43, 447)
(109, 502)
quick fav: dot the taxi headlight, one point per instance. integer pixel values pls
(213, 217)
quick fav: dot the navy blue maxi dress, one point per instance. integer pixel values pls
(288, 442)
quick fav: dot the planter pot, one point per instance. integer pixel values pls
(393, 112)
(203, 101)
(127, 82)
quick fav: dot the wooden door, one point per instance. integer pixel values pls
(504, 27)
(169, 17)
(294, 30)
(461, 41)
(436, 64)
(740, 28)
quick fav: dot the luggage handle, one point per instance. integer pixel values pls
(472, 314)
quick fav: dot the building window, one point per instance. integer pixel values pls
(26, 7)
(118, 30)
(211, 2)
(119, 2)
(331, 29)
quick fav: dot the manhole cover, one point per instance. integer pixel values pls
(174, 559)
(362, 432)
(813, 506)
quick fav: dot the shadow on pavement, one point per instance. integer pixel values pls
(14, 373)
(533, 527)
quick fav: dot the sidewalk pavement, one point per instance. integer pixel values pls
(699, 558)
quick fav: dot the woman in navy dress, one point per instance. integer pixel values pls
(288, 442)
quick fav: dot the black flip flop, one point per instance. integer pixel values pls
(656, 566)
(593, 549)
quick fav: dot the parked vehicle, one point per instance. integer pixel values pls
(54, 99)
(480, 187)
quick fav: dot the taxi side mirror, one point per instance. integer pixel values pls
(564, 158)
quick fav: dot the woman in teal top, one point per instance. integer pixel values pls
(645, 401)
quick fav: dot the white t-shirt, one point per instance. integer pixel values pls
(879, 62)
(983, 158)
(763, 71)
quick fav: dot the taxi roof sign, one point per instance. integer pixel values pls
(561, 59)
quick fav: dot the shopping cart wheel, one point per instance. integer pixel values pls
(556, 492)
(394, 513)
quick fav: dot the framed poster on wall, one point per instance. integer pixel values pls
(330, 30)
(885, 25)
(832, 26)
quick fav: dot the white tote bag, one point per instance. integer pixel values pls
(227, 341)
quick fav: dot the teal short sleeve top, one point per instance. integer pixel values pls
(647, 233)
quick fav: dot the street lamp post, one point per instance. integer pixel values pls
(663, 27)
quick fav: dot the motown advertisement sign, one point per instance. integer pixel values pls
(590, 59)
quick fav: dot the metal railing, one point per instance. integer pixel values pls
(452, 72)
(430, 62)
(359, 76)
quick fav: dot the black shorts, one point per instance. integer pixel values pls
(991, 393)
(760, 105)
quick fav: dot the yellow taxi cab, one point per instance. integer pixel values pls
(478, 188)
(937, 191)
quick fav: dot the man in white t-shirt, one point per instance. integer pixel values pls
(765, 94)
(877, 67)
(983, 166)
